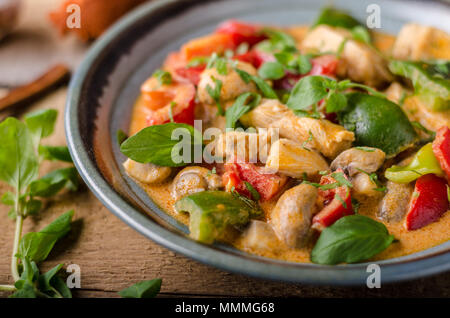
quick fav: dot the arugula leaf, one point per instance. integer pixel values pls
(41, 123)
(240, 107)
(18, 160)
(351, 239)
(271, 70)
(155, 145)
(163, 77)
(144, 289)
(309, 90)
(36, 246)
(53, 182)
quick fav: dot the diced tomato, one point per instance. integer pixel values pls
(192, 74)
(157, 101)
(207, 45)
(428, 202)
(241, 32)
(267, 185)
(255, 57)
(441, 149)
(337, 203)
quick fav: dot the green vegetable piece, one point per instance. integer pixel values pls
(336, 18)
(271, 70)
(241, 107)
(42, 122)
(53, 182)
(60, 153)
(424, 162)
(163, 77)
(430, 86)
(144, 289)
(351, 239)
(18, 160)
(154, 144)
(378, 123)
(308, 91)
(36, 246)
(212, 211)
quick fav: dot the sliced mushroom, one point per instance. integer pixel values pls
(354, 160)
(395, 203)
(260, 236)
(232, 83)
(291, 217)
(146, 172)
(194, 179)
(294, 160)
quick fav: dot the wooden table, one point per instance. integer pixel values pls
(112, 256)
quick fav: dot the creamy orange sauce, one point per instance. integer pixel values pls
(407, 242)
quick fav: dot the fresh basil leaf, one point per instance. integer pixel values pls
(244, 75)
(304, 64)
(215, 94)
(32, 207)
(36, 246)
(254, 193)
(351, 239)
(8, 198)
(42, 122)
(336, 102)
(361, 34)
(26, 291)
(265, 88)
(144, 289)
(18, 161)
(339, 177)
(198, 61)
(241, 107)
(121, 136)
(163, 77)
(278, 41)
(337, 18)
(271, 70)
(60, 285)
(308, 91)
(60, 153)
(44, 279)
(53, 182)
(155, 145)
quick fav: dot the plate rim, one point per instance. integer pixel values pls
(394, 270)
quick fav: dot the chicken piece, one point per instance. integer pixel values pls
(416, 110)
(146, 172)
(260, 236)
(294, 160)
(291, 217)
(194, 179)
(363, 186)
(395, 203)
(359, 62)
(419, 42)
(319, 134)
(354, 160)
(396, 92)
(245, 147)
(232, 83)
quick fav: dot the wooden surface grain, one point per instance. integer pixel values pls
(112, 256)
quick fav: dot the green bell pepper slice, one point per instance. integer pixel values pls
(424, 162)
(431, 86)
(211, 212)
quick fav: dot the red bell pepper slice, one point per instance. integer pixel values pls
(441, 149)
(428, 202)
(255, 57)
(337, 203)
(191, 74)
(241, 32)
(267, 185)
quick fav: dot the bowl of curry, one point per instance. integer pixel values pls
(294, 144)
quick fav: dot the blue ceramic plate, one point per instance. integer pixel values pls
(103, 91)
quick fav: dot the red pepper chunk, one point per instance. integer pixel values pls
(191, 74)
(429, 201)
(267, 185)
(441, 149)
(337, 203)
(241, 32)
